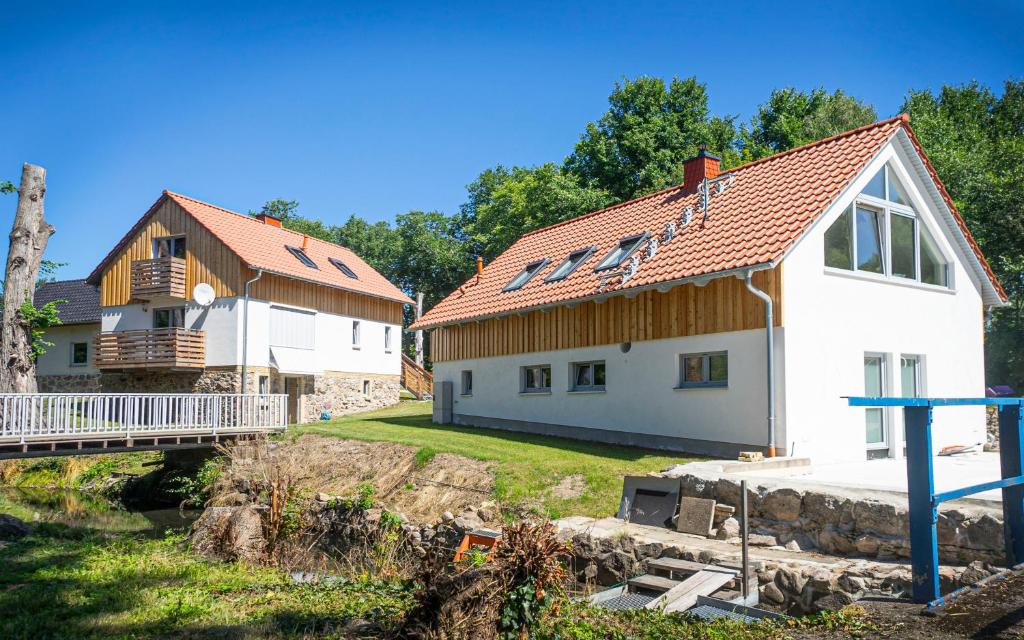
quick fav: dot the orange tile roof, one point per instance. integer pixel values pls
(263, 246)
(769, 205)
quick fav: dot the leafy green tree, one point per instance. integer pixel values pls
(638, 146)
(792, 118)
(504, 204)
(975, 140)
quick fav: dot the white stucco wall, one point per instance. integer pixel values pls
(222, 322)
(833, 318)
(640, 394)
(57, 359)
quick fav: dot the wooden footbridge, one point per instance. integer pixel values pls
(48, 424)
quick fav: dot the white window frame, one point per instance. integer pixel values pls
(85, 363)
(171, 240)
(357, 335)
(387, 339)
(588, 388)
(466, 377)
(883, 368)
(171, 310)
(523, 389)
(263, 384)
(706, 382)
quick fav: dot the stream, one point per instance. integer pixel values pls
(80, 509)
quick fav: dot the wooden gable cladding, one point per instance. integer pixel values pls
(724, 304)
(328, 299)
(207, 259)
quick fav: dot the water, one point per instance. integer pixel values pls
(79, 509)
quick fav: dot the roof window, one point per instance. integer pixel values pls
(623, 250)
(526, 274)
(342, 267)
(574, 260)
(301, 256)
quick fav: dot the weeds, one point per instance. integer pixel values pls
(424, 456)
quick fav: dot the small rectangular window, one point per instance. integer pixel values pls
(467, 383)
(387, 339)
(169, 318)
(869, 240)
(588, 376)
(79, 353)
(264, 384)
(355, 334)
(526, 275)
(903, 237)
(366, 387)
(704, 370)
(301, 256)
(536, 378)
(574, 260)
(623, 250)
(342, 267)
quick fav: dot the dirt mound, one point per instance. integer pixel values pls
(414, 482)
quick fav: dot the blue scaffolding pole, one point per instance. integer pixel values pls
(924, 502)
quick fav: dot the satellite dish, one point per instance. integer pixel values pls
(203, 294)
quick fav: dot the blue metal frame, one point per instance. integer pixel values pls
(924, 502)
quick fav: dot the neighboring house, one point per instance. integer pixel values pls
(67, 365)
(635, 324)
(320, 324)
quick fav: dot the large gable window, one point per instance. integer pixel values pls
(623, 250)
(881, 233)
(526, 275)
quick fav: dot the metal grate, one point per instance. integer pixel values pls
(628, 601)
(708, 612)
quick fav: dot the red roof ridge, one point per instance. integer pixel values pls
(904, 117)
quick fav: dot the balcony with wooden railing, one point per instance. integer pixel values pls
(170, 348)
(158, 278)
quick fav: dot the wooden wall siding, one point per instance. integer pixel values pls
(322, 298)
(687, 310)
(206, 259)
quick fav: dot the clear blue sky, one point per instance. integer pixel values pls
(381, 108)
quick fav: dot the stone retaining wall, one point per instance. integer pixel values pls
(839, 524)
(86, 383)
(342, 393)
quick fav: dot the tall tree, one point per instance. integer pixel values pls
(976, 142)
(638, 146)
(28, 239)
(792, 118)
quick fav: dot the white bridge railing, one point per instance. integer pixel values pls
(58, 416)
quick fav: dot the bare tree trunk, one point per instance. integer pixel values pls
(419, 332)
(29, 236)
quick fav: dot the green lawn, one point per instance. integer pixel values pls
(527, 466)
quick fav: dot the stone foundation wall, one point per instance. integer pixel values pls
(849, 526)
(207, 381)
(88, 383)
(341, 394)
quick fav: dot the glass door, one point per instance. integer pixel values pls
(874, 387)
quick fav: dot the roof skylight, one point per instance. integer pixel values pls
(571, 262)
(623, 250)
(526, 274)
(301, 256)
(342, 267)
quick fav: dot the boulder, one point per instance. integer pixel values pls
(229, 533)
(761, 540)
(974, 572)
(790, 581)
(880, 517)
(12, 528)
(781, 504)
(773, 594)
(985, 533)
(730, 528)
(867, 545)
(615, 567)
(822, 509)
(832, 602)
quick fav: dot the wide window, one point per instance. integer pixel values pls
(623, 250)
(535, 378)
(526, 275)
(704, 370)
(467, 383)
(881, 233)
(588, 376)
(169, 317)
(79, 353)
(574, 260)
(172, 247)
(292, 328)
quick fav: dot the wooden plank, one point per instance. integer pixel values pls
(653, 583)
(702, 583)
(675, 565)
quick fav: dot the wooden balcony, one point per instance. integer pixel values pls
(158, 278)
(172, 348)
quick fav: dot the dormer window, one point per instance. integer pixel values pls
(342, 267)
(301, 256)
(621, 252)
(881, 233)
(572, 261)
(526, 275)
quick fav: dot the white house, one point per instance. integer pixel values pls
(196, 298)
(645, 323)
(67, 362)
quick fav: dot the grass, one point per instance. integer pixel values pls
(71, 472)
(527, 466)
(74, 583)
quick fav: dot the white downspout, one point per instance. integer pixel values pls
(245, 330)
(770, 336)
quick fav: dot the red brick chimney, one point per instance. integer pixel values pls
(703, 165)
(268, 219)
